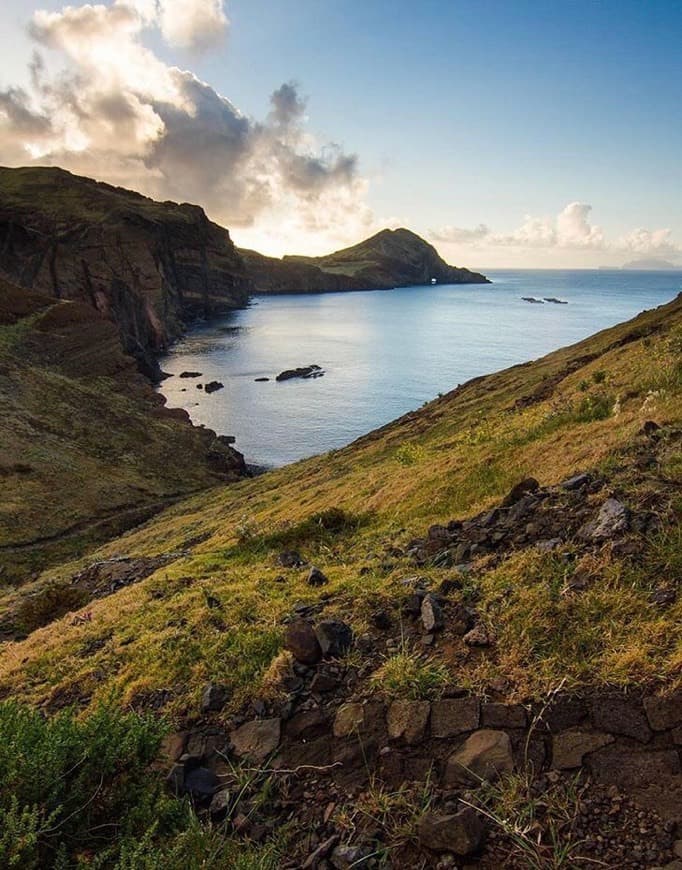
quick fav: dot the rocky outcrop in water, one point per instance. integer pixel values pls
(150, 267)
(391, 258)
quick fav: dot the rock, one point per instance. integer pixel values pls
(453, 716)
(220, 805)
(570, 747)
(407, 720)
(308, 724)
(611, 520)
(212, 386)
(306, 372)
(503, 716)
(312, 862)
(301, 641)
(334, 637)
(649, 428)
(201, 784)
(578, 481)
(664, 712)
(478, 636)
(324, 682)
(345, 857)
(290, 559)
(438, 533)
(460, 833)
(631, 769)
(524, 487)
(431, 613)
(621, 716)
(190, 374)
(257, 739)
(214, 698)
(316, 577)
(349, 718)
(261, 380)
(485, 755)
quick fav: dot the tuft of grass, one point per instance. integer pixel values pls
(410, 676)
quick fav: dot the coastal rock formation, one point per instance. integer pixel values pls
(391, 258)
(148, 266)
(80, 424)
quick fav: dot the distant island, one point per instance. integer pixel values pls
(649, 264)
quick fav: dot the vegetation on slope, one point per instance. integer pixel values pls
(87, 448)
(216, 612)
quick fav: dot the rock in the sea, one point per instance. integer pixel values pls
(261, 380)
(212, 386)
(305, 372)
(301, 641)
(256, 739)
(335, 638)
(485, 755)
(190, 374)
(316, 577)
(460, 833)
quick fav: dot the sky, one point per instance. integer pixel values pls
(509, 133)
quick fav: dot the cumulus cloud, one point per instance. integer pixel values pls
(117, 111)
(570, 229)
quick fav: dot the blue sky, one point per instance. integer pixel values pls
(477, 124)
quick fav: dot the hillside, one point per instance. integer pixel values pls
(391, 258)
(88, 449)
(151, 267)
(477, 604)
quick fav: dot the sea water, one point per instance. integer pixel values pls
(384, 352)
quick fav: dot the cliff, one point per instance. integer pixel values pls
(391, 258)
(150, 267)
(88, 449)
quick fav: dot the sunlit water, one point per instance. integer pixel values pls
(384, 352)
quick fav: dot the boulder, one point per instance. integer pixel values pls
(311, 371)
(453, 716)
(212, 386)
(407, 720)
(214, 697)
(334, 637)
(578, 481)
(431, 613)
(301, 641)
(612, 520)
(459, 833)
(257, 739)
(524, 487)
(201, 784)
(349, 718)
(631, 769)
(503, 716)
(664, 712)
(618, 715)
(289, 559)
(316, 577)
(570, 747)
(485, 755)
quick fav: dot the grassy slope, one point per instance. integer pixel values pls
(457, 455)
(84, 440)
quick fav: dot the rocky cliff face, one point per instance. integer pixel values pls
(88, 448)
(150, 267)
(391, 258)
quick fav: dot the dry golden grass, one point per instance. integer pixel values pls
(457, 455)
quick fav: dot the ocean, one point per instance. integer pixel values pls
(383, 352)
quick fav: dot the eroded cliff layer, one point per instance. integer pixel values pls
(149, 266)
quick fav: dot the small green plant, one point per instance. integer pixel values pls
(407, 675)
(409, 454)
(599, 377)
(539, 826)
(597, 406)
(584, 386)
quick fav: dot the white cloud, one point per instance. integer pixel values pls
(118, 112)
(569, 230)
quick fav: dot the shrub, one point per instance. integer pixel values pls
(50, 602)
